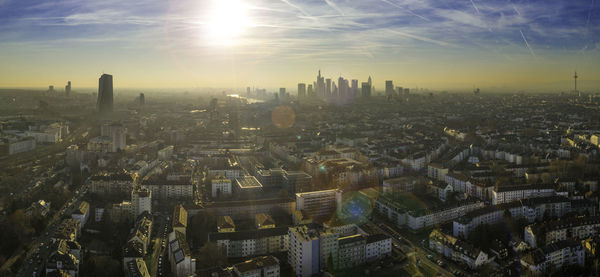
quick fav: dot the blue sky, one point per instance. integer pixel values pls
(425, 43)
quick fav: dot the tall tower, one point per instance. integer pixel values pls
(575, 79)
(105, 94)
(68, 88)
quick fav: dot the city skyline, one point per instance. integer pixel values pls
(235, 44)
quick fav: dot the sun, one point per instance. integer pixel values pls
(227, 22)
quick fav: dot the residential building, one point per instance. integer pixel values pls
(579, 228)
(318, 204)
(170, 189)
(531, 209)
(180, 219)
(180, 255)
(221, 186)
(264, 266)
(457, 249)
(82, 213)
(377, 246)
(555, 255)
(141, 201)
(505, 194)
(351, 251)
(136, 268)
(251, 242)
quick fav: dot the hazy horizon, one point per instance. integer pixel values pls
(518, 45)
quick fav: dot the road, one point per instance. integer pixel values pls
(40, 245)
(410, 248)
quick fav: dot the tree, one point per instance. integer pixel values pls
(210, 255)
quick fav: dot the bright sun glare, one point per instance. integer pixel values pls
(227, 21)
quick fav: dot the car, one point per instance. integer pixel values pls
(429, 256)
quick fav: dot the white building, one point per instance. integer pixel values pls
(14, 145)
(505, 194)
(165, 153)
(141, 201)
(170, 189)
(377, 246)
(82, 213)
(531, 209)
(180, 255)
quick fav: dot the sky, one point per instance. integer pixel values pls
(437, 44)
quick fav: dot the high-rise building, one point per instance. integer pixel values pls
(247, 91)
(105, 94)
(301, 90)
(310, 91)
(116, 133)
(320, 85)
(50, 88)
(389, 88)
(354, 88)
(328, 90)
(366, 89)
(281, 93)
(142, 99)
(68, 88)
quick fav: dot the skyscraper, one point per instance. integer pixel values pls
(320, 85)
(281, 93)
(105, 94)
(310, 91)
(68, 88)
(301, 90)
(389, 88)
(354, 88)
(366, 89)
(142, 99)
(328, 89)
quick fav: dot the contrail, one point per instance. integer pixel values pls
(589, 14)
(527, 44)
(409, 11)
(334, 6)
(476, 9)
(296, 7)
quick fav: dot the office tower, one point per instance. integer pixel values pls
(310, 91)
(320, 85)
(328, 87)
(340, 83)
(68, 88)
(370, 81)
(247, 91)
(142, 99)
(301, 90)
(400, 91)
(406, 91)
(281, 93)
(105, 94)
(389, 88)
(50, 88)
(334, 91)
(354, 88)
(366, 89)
(575, 80)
